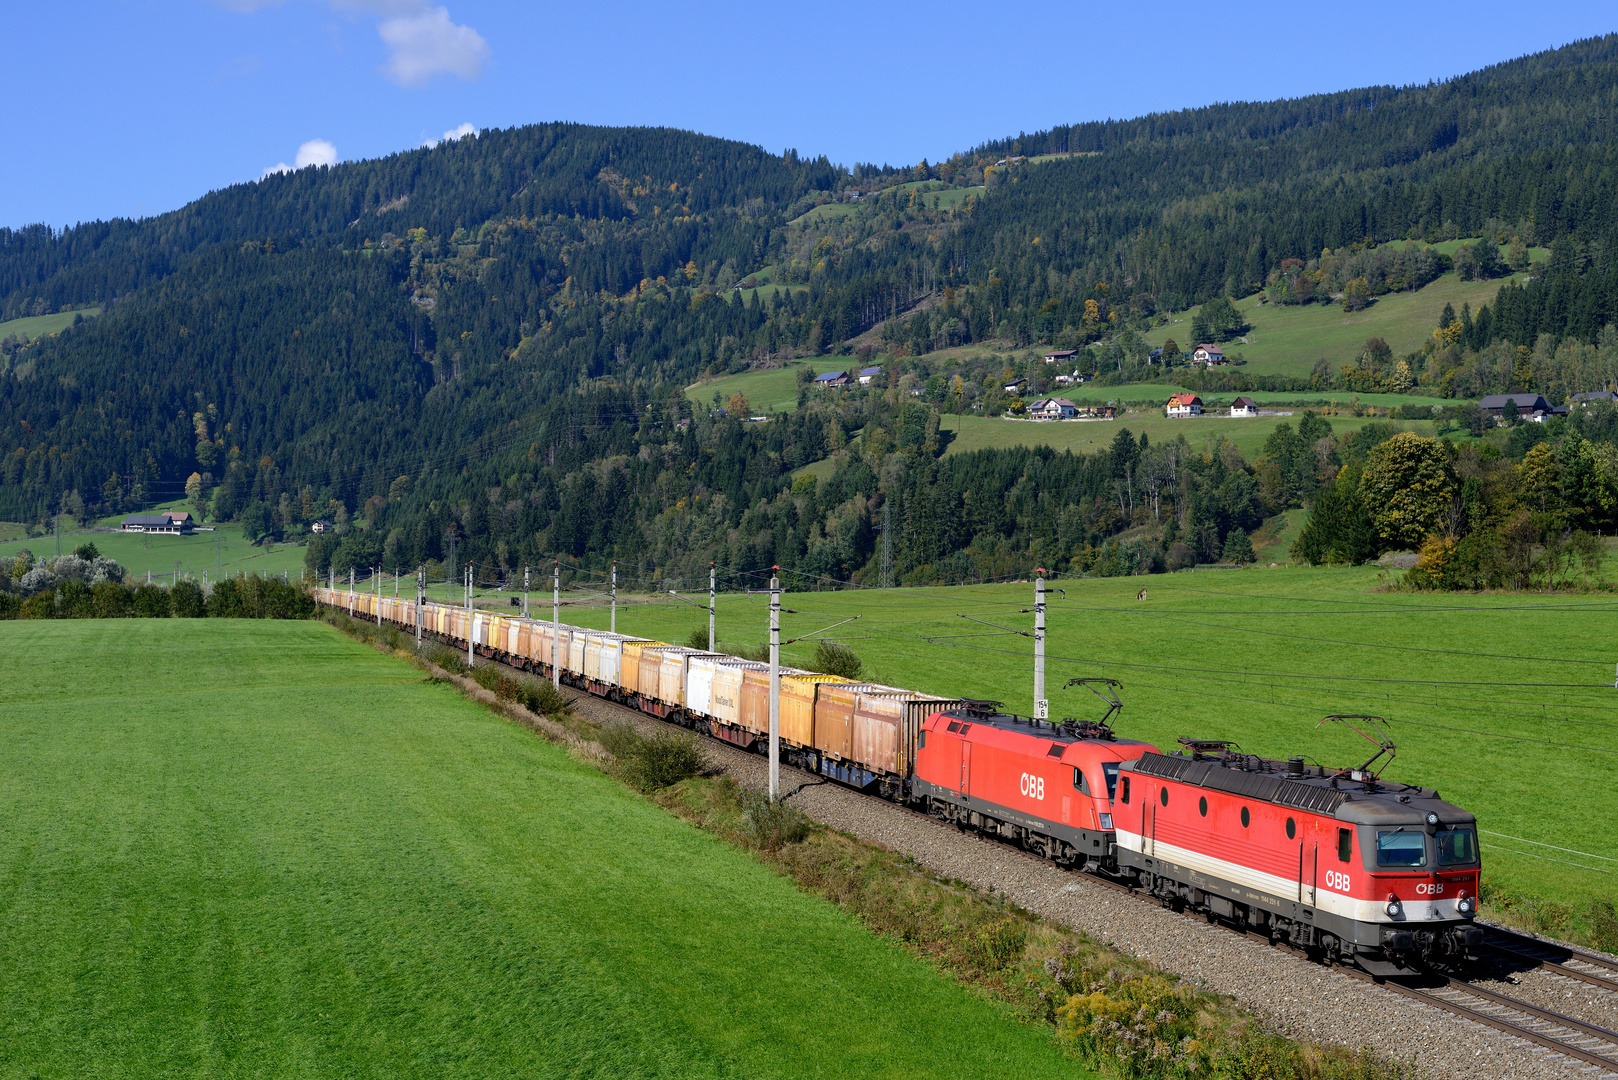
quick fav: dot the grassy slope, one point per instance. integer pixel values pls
(774, 390)
(1288, 340)
(1157, 394)
(1086, 437)
(1536, 762)
(35, 325)
(266, 849)
(138, 552)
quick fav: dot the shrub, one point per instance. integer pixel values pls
(771, 825)
(42, 605)
(75, 600)
(997, 945)
(9, 603)
(110, 600)
(698, 639)
(661, 760)
(539, 696)
(832, 658)
(448, 659)
(150, 602)
(187, 600)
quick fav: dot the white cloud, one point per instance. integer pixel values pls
(316, 152)
(427, 44)
(313, 152)
(422, 41)
(453, 135)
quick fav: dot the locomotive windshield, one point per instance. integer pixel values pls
(1111, 769)
(1401, 849)
(1457, 846)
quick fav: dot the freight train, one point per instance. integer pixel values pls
(1355, 869)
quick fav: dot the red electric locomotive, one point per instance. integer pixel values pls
(1047, 785)
(1378, 874)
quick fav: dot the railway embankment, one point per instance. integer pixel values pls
(1341, 1024)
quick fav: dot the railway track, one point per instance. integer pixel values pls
(1565, 1035)
(1553, 1031)
(1528, 953)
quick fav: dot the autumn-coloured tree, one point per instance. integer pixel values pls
(1407, 487)
(739, 405)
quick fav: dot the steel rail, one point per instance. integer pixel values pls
(1607, 1060)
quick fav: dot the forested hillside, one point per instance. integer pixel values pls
(487, 341)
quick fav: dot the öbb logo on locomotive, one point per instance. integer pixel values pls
(1361, 870)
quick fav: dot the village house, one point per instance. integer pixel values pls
(1073, 379)
(1595, 395)
(1208, 354)
(321, 526)
(1064, 356)
(172, 524)
(1244, 406)
(1054, 408)
(1532, 407)
(869, 374)
(1184, 405)
(832, 378)
(1016, 386)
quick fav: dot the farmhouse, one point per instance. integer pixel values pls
(1595, 395)
(1184, 405)
(1208, 354)
(1053, 408)
(832, 378)
(1244, 406)
(1529, 406)
(1016, 386)
(1073, 379)
(1063, 355)
(321, 526)
(868, 374)
(171, 523)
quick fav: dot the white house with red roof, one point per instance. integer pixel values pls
(1184, 405)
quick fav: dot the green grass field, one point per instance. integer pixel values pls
(1157, 394)
(36, 325)
(1288, 340)
(1089, 436)
(223, 549)
(265, 849)
(1504, 702)
(770, 391)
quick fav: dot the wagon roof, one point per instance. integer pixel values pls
(1266, 780)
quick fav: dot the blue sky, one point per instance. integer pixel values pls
(134, 107)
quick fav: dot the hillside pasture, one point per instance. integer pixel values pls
(1504, 702)
(37, 325)
(768, 390)
(1287, 340)
(1090, 436)
(266, 848)
(222, 551)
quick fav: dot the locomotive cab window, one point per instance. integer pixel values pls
(1345, 844)
(922, 743)
(1401, 849)
(1163, 796)
(1110, 770)
(1126, 789)
(1080, 783)
(1457, 846)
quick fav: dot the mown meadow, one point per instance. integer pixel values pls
(268, 849)
(1504, 702)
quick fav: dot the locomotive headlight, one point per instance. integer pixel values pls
(1394, 908)
(1467, 905)
(1106, 821)
(1432, 818)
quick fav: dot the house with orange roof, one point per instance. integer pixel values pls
(1184, 405)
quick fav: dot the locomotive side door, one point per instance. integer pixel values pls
(966, 767)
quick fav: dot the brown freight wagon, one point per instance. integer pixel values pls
(798, 693)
